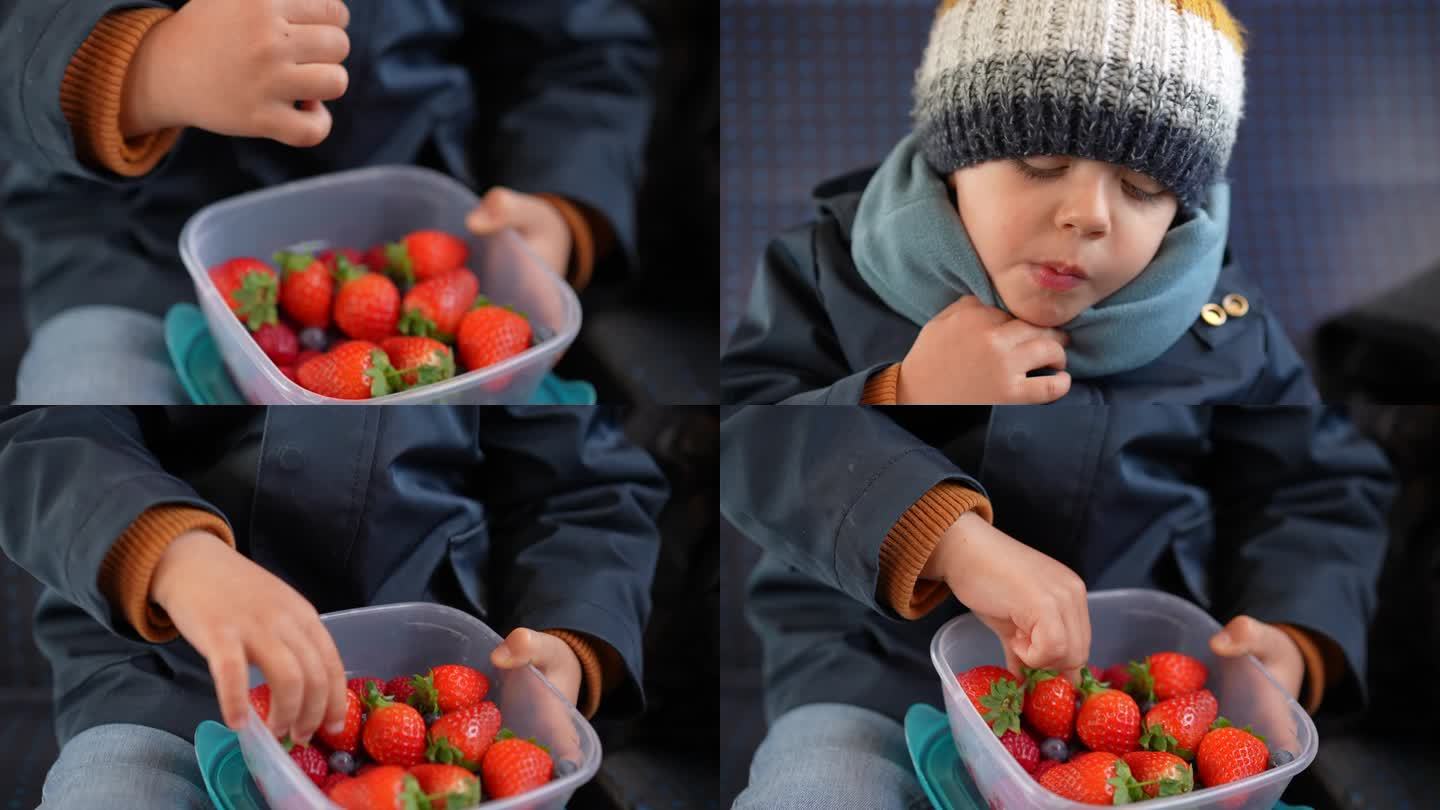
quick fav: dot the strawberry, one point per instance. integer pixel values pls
(306, 288)
(1160, 773)
(450, 687)
(260, 699)
(331, 258)
(513, 766)
(1178, 724)
(462, 737)
(1042, 766)
(356, 369)
(367, 305)
(1022, 746)
(489, 334)
(1227, 753)
(349, 737)
(395, 732)
(1116, 677)
(311, 761)
(418, 361)
(433, 308)
(384, 788)
(447, 785)
(423, 255)
(250, 287)
(1049, 704)
(400, 688)
(332, 780)
(1164, 675)
(995, 694)
(361, 686)
(279, 343)
(1108, 720)
(1093, 778)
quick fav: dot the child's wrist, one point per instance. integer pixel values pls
(144, 97)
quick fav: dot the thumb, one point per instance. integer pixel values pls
(495, 212)
(1237, 638)
(516, 651)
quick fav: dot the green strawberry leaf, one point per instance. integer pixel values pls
(1033, 677)
(346, 270)
(411, 796)
(378, 373)
(399, 265)
(1221, 722)
(480, 301)
(444, 752)
(256, 297)
(1184, 753)
(1173, 786)
(1089, 686)
(1156, 738)
(1004, 704)
(1142, 683)
(414, 322)
(425, 698)
(292, 262)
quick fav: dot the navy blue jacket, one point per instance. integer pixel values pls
(546, 95)
(815, 332)
(1274, 512)
(536, 517)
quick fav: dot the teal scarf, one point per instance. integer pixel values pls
(911, 248)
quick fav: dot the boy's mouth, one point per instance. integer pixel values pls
(1057, 276)
(1065, 269)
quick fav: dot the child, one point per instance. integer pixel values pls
(1053, 228)
(1272, 520)
(125, 117)
(179, 547)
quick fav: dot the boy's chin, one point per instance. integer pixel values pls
(1046, 317)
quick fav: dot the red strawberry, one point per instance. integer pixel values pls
(447, 783)
(1108, 720)
(306, 288)
(996, 694)
(375, 260)
(1227, 754)
(356, 369)
(489, 334)
(513, 766)
(349, 737)
(1043, 766)
(418, 361)
(433, 308)
(422, 255)
(1178, 724)
(1118, 676)
(1166, 774)
(1093, 778)
(312, 763)
(1050, 704)
(330, 258)
(1022, 746)
(367, 305)
(332, 780)
(250, 287)
(400, 688)
(279, 343)
(462, 737)
(450, 687)
(260, 699)
(1165, 675)
(395, 732)
(384, 788)
(361, 686)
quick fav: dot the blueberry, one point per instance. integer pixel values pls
(1055, 748)
(1280, 758)
(431, 718)
(1147, 706)
(1079, 701)
(342, 762)
(314, 338)
(565, 767)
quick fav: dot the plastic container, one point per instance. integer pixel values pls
(1127, 625)
(360, 208)
(393, 640)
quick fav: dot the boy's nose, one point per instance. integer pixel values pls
(1084, 208)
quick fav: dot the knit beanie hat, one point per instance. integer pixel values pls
(1153, 85)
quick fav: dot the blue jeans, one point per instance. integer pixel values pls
(836, 756)
(99, 355)
(125, 767)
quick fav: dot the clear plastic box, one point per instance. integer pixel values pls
(360, 208)
(409, 638)
(1127, 625)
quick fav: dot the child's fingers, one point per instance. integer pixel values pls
(1040, 390)
(500, 208)
(316, 679)
(517, 650)
(323, 44)
(286, 678)
(325, 82)
(1040, 353)
(228, 671)
(336, 702)
(318, 12)
(305, 127)
(1242, 636)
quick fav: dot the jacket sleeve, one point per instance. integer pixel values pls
(75, 480)
(572, 506)
(822, 488)
(784, 349)
(1301, 503)
(38, 39)
(1286, 379)
(567, 90)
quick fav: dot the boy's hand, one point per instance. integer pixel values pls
(1033, 603)
(1273, 647)
(553, 657)
(236, 613)
(974, 354)
(237, 67)
(536, 221)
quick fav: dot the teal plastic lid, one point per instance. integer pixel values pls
(938, 767)
(202, 371)
(227, 778)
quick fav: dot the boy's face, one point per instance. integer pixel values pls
(1058, 234)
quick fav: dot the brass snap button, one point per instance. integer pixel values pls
(1236, 304)
(1212, 314)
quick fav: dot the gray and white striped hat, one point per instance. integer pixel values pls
(1154, 85)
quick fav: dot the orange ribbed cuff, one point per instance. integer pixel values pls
(590, 235)
(880, 389)
(91, 90)
(1324, 663)
(126, 572)
(599, 665)
(910, 542)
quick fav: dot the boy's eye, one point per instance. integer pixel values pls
(1045, 163)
